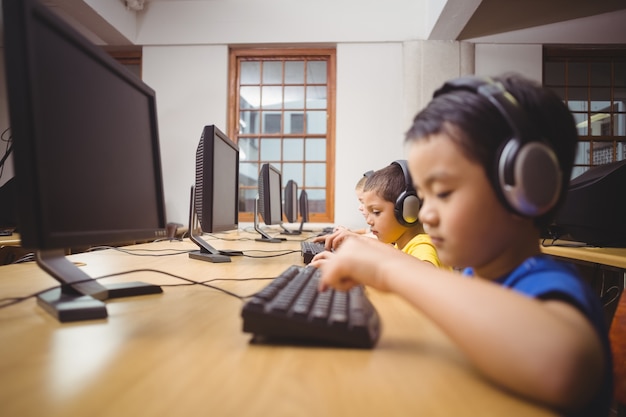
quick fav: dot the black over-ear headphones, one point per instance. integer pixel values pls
(526, 173)
(408, 204)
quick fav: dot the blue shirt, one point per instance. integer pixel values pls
(545, 278)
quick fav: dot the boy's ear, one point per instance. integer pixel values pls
(407, 206)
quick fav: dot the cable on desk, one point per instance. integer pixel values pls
(278, 253)
(134, 252)
(9, 301)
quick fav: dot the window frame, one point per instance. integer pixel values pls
(589, 54)
(236, 55)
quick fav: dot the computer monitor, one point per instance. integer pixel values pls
(593, 210)
(269, 202)
(291, 201)
(303, 202)
(214, 199)
(291, 207)
(86, 154)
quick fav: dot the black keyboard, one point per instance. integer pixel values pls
(310, 249)
(291, 309)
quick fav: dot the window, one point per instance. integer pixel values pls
(281, 111)
(592, 82)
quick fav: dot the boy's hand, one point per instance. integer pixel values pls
(335, 239)
(356, 262)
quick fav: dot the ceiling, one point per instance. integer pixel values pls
(490, 17)
(500, 16)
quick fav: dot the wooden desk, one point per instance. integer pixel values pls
(13, 240)
(615, 257)
(182, 353)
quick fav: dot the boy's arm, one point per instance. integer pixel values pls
(545, 350)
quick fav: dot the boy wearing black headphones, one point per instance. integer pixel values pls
(391, 207)
(491, 161)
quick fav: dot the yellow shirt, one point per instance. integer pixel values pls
(422, 248)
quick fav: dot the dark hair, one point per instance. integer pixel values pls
(479, 129)
(387, 182)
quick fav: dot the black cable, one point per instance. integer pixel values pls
(132, 251)
(9, 301)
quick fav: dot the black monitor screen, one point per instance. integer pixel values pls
(304, 206)
(86, 149)
(270, 195)
(291, 201)
(214, 199)
(87, 155)
(217, 181)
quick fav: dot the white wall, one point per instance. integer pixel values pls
(527, 60)
(369, 127)
(191, 84)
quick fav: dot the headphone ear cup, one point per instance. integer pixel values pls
(407, 208)
(529, 177)
(408, 204)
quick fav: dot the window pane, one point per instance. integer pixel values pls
(249, 122)
(294, 122)
(578, 73)
(600, 124)
(582, 153)
(581, 123)
(293, 149)
(248, 173)
(316, 97)
(554, 73)
(247, 197)
(272, 72)
(316, 150)
(271, 122)
(602, 153)
(294, 97)
(316, 122)
(271, 97)
(577, 99)
(316, 72)
(292, 171)
(317, 201)
(600, 99)
(600, 74)
(619, 125)
(270, 149)
(315, 174)
(294, 72)
(620, 74)
(248, 149)
(250, 72)
(621, 151)
(249, 97)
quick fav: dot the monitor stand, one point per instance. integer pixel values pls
(207, 252)
(81, 297)
(264, 236)
(290, 232)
